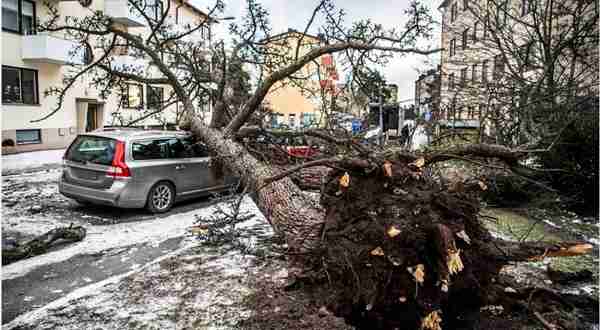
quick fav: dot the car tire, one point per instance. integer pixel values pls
(161, 197)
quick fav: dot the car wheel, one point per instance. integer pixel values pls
(160, 198)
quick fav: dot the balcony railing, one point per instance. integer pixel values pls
(122, 12)
(46, 48)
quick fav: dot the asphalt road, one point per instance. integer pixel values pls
(32, 204)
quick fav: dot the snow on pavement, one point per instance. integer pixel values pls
(200, 287)
(32, 159)
(106, 237)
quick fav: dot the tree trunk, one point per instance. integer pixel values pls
(298, 218)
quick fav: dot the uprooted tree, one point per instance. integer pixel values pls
(397, 244)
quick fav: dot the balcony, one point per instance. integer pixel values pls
(122, 13)
(49, 49)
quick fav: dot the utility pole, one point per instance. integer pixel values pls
(381, 114)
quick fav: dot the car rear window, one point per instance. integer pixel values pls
(92, 149)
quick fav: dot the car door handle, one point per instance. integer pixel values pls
(179, 167)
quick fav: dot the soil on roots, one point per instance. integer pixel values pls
(404, 251)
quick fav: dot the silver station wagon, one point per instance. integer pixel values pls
(137, 168)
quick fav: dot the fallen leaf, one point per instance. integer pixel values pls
(378, 251)
(345, 180)
(432, 321)
(387, 169)
(482, 185)
(419, 162)
(393, 231)
(199, 230)
(418, 273)
(455, 264)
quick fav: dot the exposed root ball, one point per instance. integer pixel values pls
(401, 250)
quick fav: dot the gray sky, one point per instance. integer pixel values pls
(295, 13)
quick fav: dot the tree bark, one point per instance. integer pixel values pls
(294, 216)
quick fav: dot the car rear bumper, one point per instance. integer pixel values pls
(117, 195)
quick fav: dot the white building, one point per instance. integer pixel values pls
(33, 62)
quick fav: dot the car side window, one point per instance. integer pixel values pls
(151, 149)
(194, 149)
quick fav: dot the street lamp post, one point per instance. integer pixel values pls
(381, 115)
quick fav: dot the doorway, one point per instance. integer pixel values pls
(92, 117)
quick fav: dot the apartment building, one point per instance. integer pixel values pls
(491, 50)
(427, 92)
(298, 105)
(33, 62)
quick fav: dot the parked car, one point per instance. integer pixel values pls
(136, 169)
(298, 147)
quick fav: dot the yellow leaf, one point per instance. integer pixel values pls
(455, 264)
(418, 273)
(482, 185)
(199, 230)
(419, 162)
(393, 231)
(432, 321)
(345, 180)
(387, 169)
(378, 251)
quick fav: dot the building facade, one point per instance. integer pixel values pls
(301, 103)
(427, 93)
(493, 53)
(34, 62)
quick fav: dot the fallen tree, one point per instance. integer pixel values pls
(398, 246)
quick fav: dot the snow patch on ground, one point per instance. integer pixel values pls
(198, 287)
(33, 159)
(100, 238)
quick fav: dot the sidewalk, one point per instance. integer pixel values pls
(28, 160)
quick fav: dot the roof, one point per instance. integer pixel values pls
(125, 133)
(197, 10)
(289, 33)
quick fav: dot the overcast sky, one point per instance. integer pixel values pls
(295, 13)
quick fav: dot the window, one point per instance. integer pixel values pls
(187, 148)
(486, 25)
(484, 71)
(498, 66)
(308, 119)
(292, 120)
(133, 96)
(463, 77)
(154, 9)
(18, 16)
(152, 149)
(154, 97)
(465, 37)
(29, 136)
(453, 13)
(93, 149)
(452, 47)
(526, 53)
(88, 54)
(475, 28)
(19, 85)
(501, 13)
(526, 7)
(451, 81)
(474, 73)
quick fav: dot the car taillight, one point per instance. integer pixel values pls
(119, 168)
